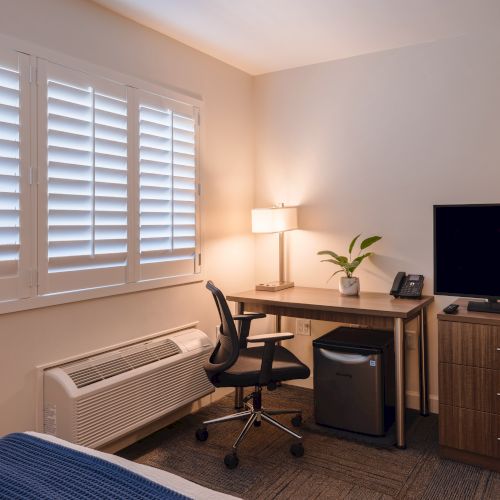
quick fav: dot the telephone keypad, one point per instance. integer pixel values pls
(411, 288)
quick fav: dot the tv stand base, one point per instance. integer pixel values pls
(492, 306)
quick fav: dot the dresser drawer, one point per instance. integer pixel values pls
(469, 387)
(469, 344)
(469, 430)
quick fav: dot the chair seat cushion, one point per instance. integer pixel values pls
(246, 370)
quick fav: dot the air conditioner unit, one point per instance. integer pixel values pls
(95, 400)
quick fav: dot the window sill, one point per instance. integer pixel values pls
(54, 299)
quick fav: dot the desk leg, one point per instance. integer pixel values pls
(422, 361)
(399, 351)
(277, 329)
(238, 391)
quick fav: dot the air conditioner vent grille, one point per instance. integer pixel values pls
(101, 367)
(85, 377)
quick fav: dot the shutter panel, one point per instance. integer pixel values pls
(84, 203)
(14, 165)
(168, 238)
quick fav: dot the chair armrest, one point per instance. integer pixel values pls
(270, 340)
(248, 316)
(270, 337)
(245, 321)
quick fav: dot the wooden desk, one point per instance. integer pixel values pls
(377, 310)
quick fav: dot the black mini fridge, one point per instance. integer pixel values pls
(354, 380)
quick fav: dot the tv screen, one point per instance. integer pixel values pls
(467, 250)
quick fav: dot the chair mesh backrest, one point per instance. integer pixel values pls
(227, 350)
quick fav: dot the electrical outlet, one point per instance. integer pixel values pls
(303, 327)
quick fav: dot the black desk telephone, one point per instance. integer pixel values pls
(407, 286)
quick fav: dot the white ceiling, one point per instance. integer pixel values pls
(260, 36)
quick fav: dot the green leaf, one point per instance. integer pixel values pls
(353, 242)
(328, 252)
(360, 258)
(333, 261)
(357, 261)
(369, 241)
(336, 272)
(342, 259)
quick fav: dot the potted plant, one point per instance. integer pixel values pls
(349, 284)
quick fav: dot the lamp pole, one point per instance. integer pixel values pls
(281, 236)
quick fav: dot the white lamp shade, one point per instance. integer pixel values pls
(274, 220)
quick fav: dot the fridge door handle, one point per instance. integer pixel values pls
(351, 359)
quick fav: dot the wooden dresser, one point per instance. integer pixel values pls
(469, 387)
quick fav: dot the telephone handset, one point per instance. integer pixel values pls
(407, 286)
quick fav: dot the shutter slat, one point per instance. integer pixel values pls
(69, 233)
(9, 96)
(9, 131)
(9, 78)
(110, 119)
(69, 125)
(65, 109)
(70, 248)
(9, 114)
(109, 132)
(110, 161)
(70, 93)
(9, 253)
(80, 217)
(111, 246)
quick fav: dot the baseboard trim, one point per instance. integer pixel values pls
(413, 401)
(467, 457)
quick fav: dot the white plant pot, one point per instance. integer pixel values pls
(349, 286)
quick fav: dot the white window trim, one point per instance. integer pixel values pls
(39, 301)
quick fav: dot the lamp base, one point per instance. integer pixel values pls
(274, 286)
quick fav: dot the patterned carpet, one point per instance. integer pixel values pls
(331, 467)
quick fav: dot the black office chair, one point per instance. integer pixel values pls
(232, 364)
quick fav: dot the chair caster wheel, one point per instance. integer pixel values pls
(231, 461)
(202, 434)
(297, 449)
(297, 420)
(257, 423)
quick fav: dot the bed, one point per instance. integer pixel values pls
(39, 466)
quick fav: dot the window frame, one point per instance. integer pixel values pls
(22, 281)
(31, 271)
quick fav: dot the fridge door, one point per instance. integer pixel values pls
(349, 390)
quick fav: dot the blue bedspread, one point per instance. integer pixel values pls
(32, 468)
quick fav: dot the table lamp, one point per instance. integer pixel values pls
(275, 220)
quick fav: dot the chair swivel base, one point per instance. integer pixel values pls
(254, 414)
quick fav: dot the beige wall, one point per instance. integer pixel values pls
(364, 144)
(369, 144)
(83, 30)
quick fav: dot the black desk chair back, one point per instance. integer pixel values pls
(233, 364)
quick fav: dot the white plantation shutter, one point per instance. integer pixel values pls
(14, 175)
(83, 179)
(98, 183)
(168, 236)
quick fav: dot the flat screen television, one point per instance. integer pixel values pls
(467, 253)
